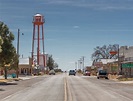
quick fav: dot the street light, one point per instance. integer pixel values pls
(18, 51)
(83, 58)
(76, 65)
(79, 67)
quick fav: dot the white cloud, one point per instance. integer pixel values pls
(76, 27)
(59, 2)
(96, 4)
(126, 30)
(50, 39)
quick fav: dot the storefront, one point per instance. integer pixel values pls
(24, 70)
(127, 69)
(113, 68)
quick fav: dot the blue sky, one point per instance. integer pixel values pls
(73, 28)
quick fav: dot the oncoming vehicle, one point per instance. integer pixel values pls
(72, 72)
(51, 72)
(102, 74)
(87, 73)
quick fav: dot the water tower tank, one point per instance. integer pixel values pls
(38, 19)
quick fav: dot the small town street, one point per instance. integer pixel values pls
(62, 87)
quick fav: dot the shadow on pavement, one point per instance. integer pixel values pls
(2, 90)
(8, 83)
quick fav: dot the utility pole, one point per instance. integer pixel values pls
(120, 69)
(18, 53)
(83, 61)
(18, 42)
(76, 65)
(79, 64)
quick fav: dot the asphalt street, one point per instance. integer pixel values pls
(62, 87)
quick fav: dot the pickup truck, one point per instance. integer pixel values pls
(102, 74)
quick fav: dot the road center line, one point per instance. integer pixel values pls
(65, 90)
(69, 93)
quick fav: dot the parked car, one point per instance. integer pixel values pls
(87, 73)
(102, 74)
(72, 72)
(51, 72)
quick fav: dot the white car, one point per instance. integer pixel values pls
(52, 72)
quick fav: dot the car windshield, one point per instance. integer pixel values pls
(72, 71)
(102, 72)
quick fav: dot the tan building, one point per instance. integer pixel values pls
(127, 63)
(25, 66)
(122, 66)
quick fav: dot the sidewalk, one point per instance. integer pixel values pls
(124, 82)
(23, 77)
(11, 80)
(127, 82)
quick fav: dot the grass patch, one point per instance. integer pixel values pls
(125, 79)
(9, 80)
(3, 80)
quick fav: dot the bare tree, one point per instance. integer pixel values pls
(104, 52)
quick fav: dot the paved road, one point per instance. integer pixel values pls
(92, 89)
(48, 88)
(66, 88)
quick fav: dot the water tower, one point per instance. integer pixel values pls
(38, 40)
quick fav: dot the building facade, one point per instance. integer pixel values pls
(126, 54)
(123, 65)
(25, 66)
